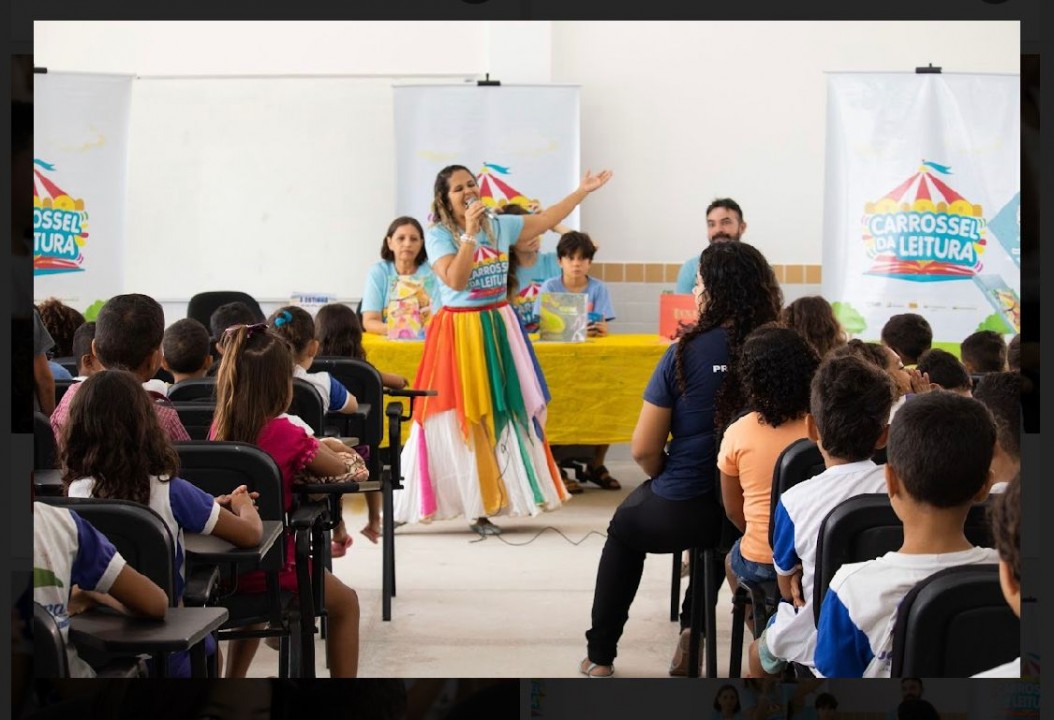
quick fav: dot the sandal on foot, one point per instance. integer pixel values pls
(372, 535)
(572, 486)
(591, 669)
(485, 527)
(602, 477)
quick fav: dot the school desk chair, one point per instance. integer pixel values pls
(955, 624)
(218, 467)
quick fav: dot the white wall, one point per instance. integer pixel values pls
(688, 111)
(681, 112)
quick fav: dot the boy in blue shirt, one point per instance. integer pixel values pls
(848, 419)
(938, 465)
(575, 253)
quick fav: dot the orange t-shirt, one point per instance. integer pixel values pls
(749, 451)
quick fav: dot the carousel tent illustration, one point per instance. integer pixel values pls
(58, 249)
(495, 193)
(922, 194)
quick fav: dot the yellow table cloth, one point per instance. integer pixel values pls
(597, 386)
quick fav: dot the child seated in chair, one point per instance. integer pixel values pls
(1001, 394)
(128, 335)
(75, 566)
(983, 352)
(296, 326)
(223, 317)
(1006, 530)
(848, 412)
(574, 253)
(113, 449)
(87, 363)
(339, 334)
(185, 350)
(945, 371)
(254, 388)
(938, 466)
(776, 367)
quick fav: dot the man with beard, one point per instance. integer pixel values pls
(724, 223)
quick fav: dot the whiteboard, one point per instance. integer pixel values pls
(265, 185)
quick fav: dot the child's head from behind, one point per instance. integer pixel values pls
(128, 334)
(229, 315)
(881, 356)
(940, 450)
(909, 334)
(297, 327)
(575, 252)
(339, 332)
(254, 383)
(945, 370)
(849, 407)
(1013, 354)
(61, 322)
(1001, 394)
(776, 367)
(983, 352)
(87, 363)
(185, 348)
(814, 318)
(113, 435)
(1005, 519)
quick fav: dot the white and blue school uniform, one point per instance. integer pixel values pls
(68, 551)
(855, 634)
(182, 506)
(334, 394)
(791, 633)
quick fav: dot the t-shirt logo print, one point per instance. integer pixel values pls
(490, 269)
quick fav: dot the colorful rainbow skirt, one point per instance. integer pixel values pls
(478, 448)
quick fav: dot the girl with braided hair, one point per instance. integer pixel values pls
(693, 395)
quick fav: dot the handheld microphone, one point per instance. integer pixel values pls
(487, 211)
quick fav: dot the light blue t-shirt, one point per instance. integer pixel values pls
(488, 282)
(686, 277)
(380, 283)
(58, 372)
(529, 283)
(598, 304)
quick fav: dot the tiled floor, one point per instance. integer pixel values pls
(517, 605)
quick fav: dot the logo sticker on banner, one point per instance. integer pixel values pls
(923, 230)
(60, 225)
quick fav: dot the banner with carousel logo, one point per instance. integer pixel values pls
(80, 140)
(521, 142)
(921, 203)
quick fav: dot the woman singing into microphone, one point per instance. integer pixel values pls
(478, 448)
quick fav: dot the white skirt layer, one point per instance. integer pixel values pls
(451, 467)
